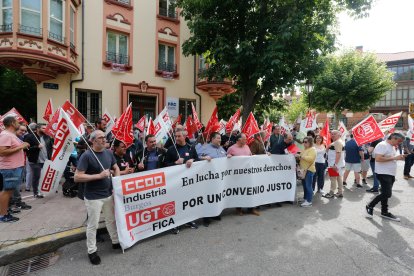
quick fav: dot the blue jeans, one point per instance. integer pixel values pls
(376, 182)
(307, 186)
(319, 176)
(11, 178)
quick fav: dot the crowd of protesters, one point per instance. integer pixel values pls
(98, 156)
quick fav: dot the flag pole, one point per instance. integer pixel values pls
(33, 134)
(168, 133)
(87, 144)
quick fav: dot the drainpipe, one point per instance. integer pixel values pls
(195, 82)
(83, 54)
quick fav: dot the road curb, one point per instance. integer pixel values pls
(41, 245)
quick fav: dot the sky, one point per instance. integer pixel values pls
(387, 29)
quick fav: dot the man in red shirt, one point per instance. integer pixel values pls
(11, 164)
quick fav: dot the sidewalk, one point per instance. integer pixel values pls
(50, 219)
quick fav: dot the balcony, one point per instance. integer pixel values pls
(169, 14)
(121, 3)
(117, 62)
(216, 87)
(40, 58)
(167, 70)
(8, 28)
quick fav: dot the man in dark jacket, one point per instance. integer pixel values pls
(37, 154)
(181, 153)
(280, 148)
(152, 157)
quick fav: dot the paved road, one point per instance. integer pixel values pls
(331, 238)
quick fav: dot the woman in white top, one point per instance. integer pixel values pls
(320, 164)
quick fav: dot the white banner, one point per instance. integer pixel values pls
(63, 146)
(152, 202)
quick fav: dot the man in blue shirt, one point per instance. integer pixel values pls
(353, 156)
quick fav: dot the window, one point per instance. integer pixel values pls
(167, 8)
(166, 58)
(72, 28)
(6, 15)
(126, 2)
(56, 21)
(117, 48)
(89, 103)
(184, 108)
(30, 17)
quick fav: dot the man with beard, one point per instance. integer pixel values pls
(11, 164)
(37, 154)
(281, 148)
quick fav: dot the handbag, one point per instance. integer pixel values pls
(301, 173)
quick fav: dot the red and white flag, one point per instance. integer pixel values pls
(388, 123)
(142, 123)
(122, 129)
(233, 120)
(283, 126)
(63, 146)
(48, 111)
(250, 128)
(309, 123)
(195, 118)
(213, 124)
(326, 133)
(177, 121)
(75, 116)
(267, 128)
(109, 122)
(367, 131)
(343, 130)
(162, 125)
(51, 127)
(190, 127)
(15, 113)
(222, 130)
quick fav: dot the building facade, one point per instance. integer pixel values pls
(105, 54)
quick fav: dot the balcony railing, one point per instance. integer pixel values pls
(6, 28)
(167, 67)
(117, 58)
(170, 12)
(56, 37)
(126, 2)
(30, 30)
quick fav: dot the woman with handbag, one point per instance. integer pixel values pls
(307, 168)
(320, 164)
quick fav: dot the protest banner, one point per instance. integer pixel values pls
(152, 202)
(367, 131)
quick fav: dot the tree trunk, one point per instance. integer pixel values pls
(247, 103)
(336, 119)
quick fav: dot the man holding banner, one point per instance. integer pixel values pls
(93, 169)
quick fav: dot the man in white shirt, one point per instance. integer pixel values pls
(385, 167)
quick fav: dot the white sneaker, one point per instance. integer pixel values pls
(306, 204)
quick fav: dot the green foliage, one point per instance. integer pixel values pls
(351, 81)
(298, 107)
(262, 44)
(267, 106)
(16, 90)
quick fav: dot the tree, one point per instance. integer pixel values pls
(351, 81)
(262, 44)
(16, 90)
(267, 106)
(298, 107)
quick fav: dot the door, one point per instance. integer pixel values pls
(142, 105)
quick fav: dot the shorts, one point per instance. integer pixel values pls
(365, 165)
(11, 178)
(356, 167)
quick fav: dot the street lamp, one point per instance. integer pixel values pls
(309, 89)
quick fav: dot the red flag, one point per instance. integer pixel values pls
(232, 121)
(14, 112)
(213, 124)
(195, 118)
(267, 128)
(53, 123)
(122, 129)
(250, 128)
(190, 127)
(48, 111)
(177, 121)
(389, 123)
(74, 114)
(151, 128)
(325, 133)
(141, 123)
(293, 149)
(367, 131)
